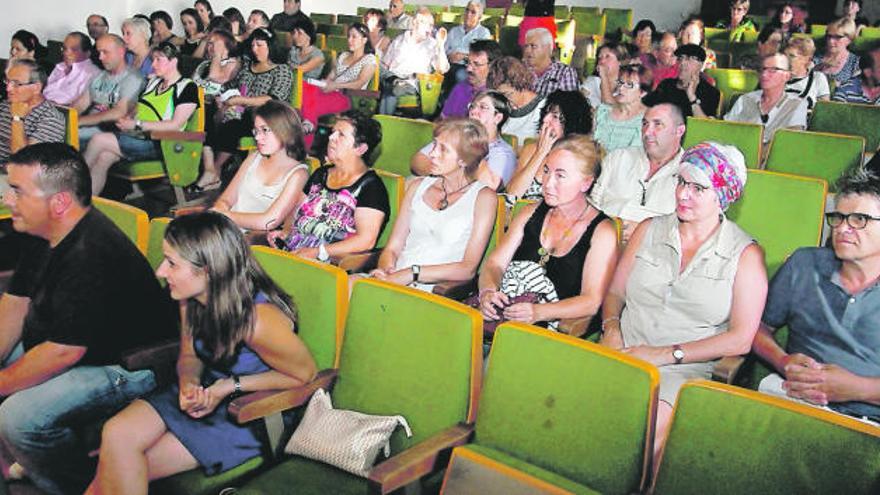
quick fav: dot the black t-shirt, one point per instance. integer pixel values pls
(284, 22)
(668, 92)
(540, 8)
(95, 290)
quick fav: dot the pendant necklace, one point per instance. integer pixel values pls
(444, 203)
(544, 254)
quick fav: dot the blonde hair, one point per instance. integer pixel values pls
(803, 45)
(844, 27)
(586, 151)
(139, 26)
(471, 141)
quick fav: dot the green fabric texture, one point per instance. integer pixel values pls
(401, 139)
(731, 82)
(137, 170)
(797, 205)
(301, 476)
(848, 118)
(322, 18)
(125, 218)
(154, 244)
(822, 156)
(746, 137)
(723, 443)
(566, 409)
(395, 187)
(194, 482)
(530, 469)
(561, 11)
(337, 43)
(618, 21)
(315, 291)
(586, 23)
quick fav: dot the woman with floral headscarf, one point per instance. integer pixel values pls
(690, 286)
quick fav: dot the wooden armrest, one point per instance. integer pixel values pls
(575, 327)
(258, 405)
(161, 358)
(360, 262)
(458, 291)
(189, 210)
(419, 460)
(726, 369)
(364, 93)
(178, 136)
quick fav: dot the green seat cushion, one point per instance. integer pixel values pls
(305, 477)
(401, 139)
(732, 441)
(814, 154)
(848, 118)
(746, 137)
(531, 469)
(139, 170)
(195, 482)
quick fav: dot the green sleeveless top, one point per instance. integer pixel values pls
(155, 105)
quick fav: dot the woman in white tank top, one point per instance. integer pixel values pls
(446, 220)
(268, 185)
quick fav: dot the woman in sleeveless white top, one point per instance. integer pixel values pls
(445, 221)
(253, 195)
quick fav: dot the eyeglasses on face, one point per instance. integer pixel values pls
(692, 186)
(627, 84)
(857, 221)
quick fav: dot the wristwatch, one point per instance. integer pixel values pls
(696, 102)
(17, 118)
(677, 353)
(415, 270)
(236, 385)
(138, 125)
(323, 255)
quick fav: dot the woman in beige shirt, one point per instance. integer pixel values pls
(690, 286)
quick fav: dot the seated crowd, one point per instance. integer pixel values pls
(614, 227)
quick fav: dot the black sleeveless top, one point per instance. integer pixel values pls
(539, 8)
(566, 272)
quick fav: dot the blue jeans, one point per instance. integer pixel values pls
(43, 425)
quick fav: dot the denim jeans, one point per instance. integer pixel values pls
(42, 426)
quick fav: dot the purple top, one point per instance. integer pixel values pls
(459, 98)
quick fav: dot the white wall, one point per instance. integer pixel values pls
(52, 19)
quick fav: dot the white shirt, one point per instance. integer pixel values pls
(406, 56)
(622, 191)
(790, 111)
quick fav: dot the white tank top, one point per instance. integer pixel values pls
(256, 197)
(438, 236)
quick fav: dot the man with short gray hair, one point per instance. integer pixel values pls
(550, 75)
(26, 117)
(460, 37)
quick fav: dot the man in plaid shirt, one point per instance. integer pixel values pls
(550, 75)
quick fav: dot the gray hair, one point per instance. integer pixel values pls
(544, 35)
(859, 181)
(476, 3)
(37, 73)
(140, 26)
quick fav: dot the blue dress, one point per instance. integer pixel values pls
(216, 441)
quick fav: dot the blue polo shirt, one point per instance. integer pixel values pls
(825, 321)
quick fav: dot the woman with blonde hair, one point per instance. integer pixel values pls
(806, 82)
(136, 34)
(838, 63)
(446, 219)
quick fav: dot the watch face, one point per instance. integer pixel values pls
(678, 354)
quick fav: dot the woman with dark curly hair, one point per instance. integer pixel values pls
(565, 113)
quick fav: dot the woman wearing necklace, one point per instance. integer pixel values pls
(559, 254)
(166, 104)
(838, 63)
(446, 219)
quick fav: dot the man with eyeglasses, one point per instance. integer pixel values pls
(481, 54)
(639, 182)
(771, 105)
(690, 90)
(864, 88)
(397, 17)
(26, 117)
(460, 37)
(829, 299)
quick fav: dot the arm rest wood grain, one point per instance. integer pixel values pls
(458, 291)
(360, 262)
(177, 136)
(419, 460)
(726, 369)
(258, 405)
(575, 327)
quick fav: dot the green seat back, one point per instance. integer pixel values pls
(336, 43)
(394, 184)
(348, 19)
(782, 212)
(815, 154)
(508, 38)
(589, 24)
(133, 222)
(565, 39)
(587, 415)
(618, 21)
(848, 118)
(581, 9)
(561, 12)
(733, 82)
(727, 440)
(517, 9)
(328, 29)
(319, 291)
(323, 18)
(401, 139)
(746, 137)
(154, 245)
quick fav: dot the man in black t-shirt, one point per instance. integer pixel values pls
(690, 90)
(289, 17)
(81, 295)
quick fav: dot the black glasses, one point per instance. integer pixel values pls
(857, 221)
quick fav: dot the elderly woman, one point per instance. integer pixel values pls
(619, 125)
(376, 22)
(255, 84)
(600, 86)
(166, 104)
(136, 34)
(805, 82)
(690, 286)
(771, 105)
(739, 21)
(346, 203)
(565, 113)
(304, 55)
(446, 219)
(838, 63)
(269, 183)
(192, 30)
(693, 32)
(510, 77)
(558, 257)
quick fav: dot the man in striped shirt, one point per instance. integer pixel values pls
(26, 117)
(864, 88)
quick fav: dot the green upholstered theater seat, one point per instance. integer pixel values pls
(395, 186)
(727, 440)
(746, 137)
(815, 154)
(132, 221)
(568, 412)
(848, 118)
(154, 244)
(732, 82)
(401, 139)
